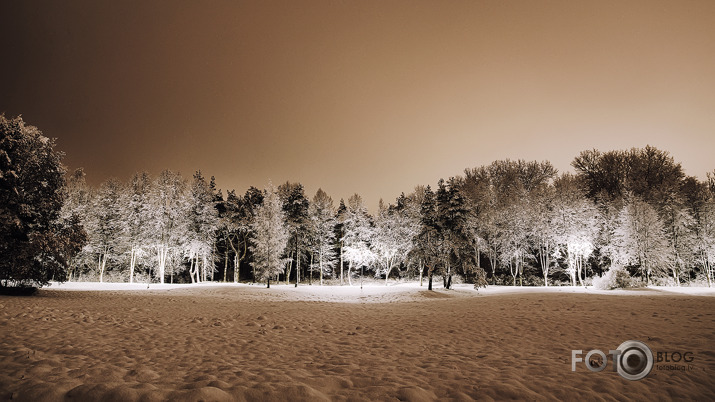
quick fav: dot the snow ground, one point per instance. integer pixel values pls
(375, 291)
(226, 342)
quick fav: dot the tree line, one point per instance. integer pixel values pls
(509, 222)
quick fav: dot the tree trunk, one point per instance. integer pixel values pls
(131, 264)
(444, 277)
(235, 268)
(421, 269)
(225, 265)
(268, 283)
(204, 268)
(297, 263)
(341, 263)
(362, 267)
(162, 254)
(479, 263)
(310, 280)
(289, 267)
(493, 265)
(238, 257)
(676, 277)
(449, 276)
(204, 277)
(213, 260)
(320, 264)
(350, 267)
(429, 281)
(544, 260)
(512, 271)
(191, 269)
(100, 261)
(387, 274)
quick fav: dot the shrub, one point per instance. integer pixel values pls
(480, 280)
(615, 278)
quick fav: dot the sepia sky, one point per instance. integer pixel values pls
(372, 97)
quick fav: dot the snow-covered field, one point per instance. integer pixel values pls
(399, 342)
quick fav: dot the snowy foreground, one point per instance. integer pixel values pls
(216, 342)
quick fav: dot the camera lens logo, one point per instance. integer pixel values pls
(635, 360)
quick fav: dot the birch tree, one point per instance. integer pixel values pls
(169, 232)
(202, 223)
(576, 225)
(358, 235)
(136, 219)
(639, 239)
(393, 238)
(705, 232)
(234, 223)
(679, 226)
(542, 229)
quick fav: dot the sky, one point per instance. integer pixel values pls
(368, 97)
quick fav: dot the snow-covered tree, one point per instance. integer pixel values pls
(478, 192)
(639, 239)
(269, 237)
(576, 225)
(339, 230)
(322, 218)
(76, 207)
(169, 233)
(428, 242)
(511, 222)
(35, 245)
(242, 220)
(104, 228)
(233, 232)
(508, 227)
(541, 229)
(510, 216)
(452, 224)
(136, 219)
(411, 207)
(648, 173)
(705, 239)
(202, 223)
(358, 235)
(393, 238)
(679, 230)
(295, 207)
